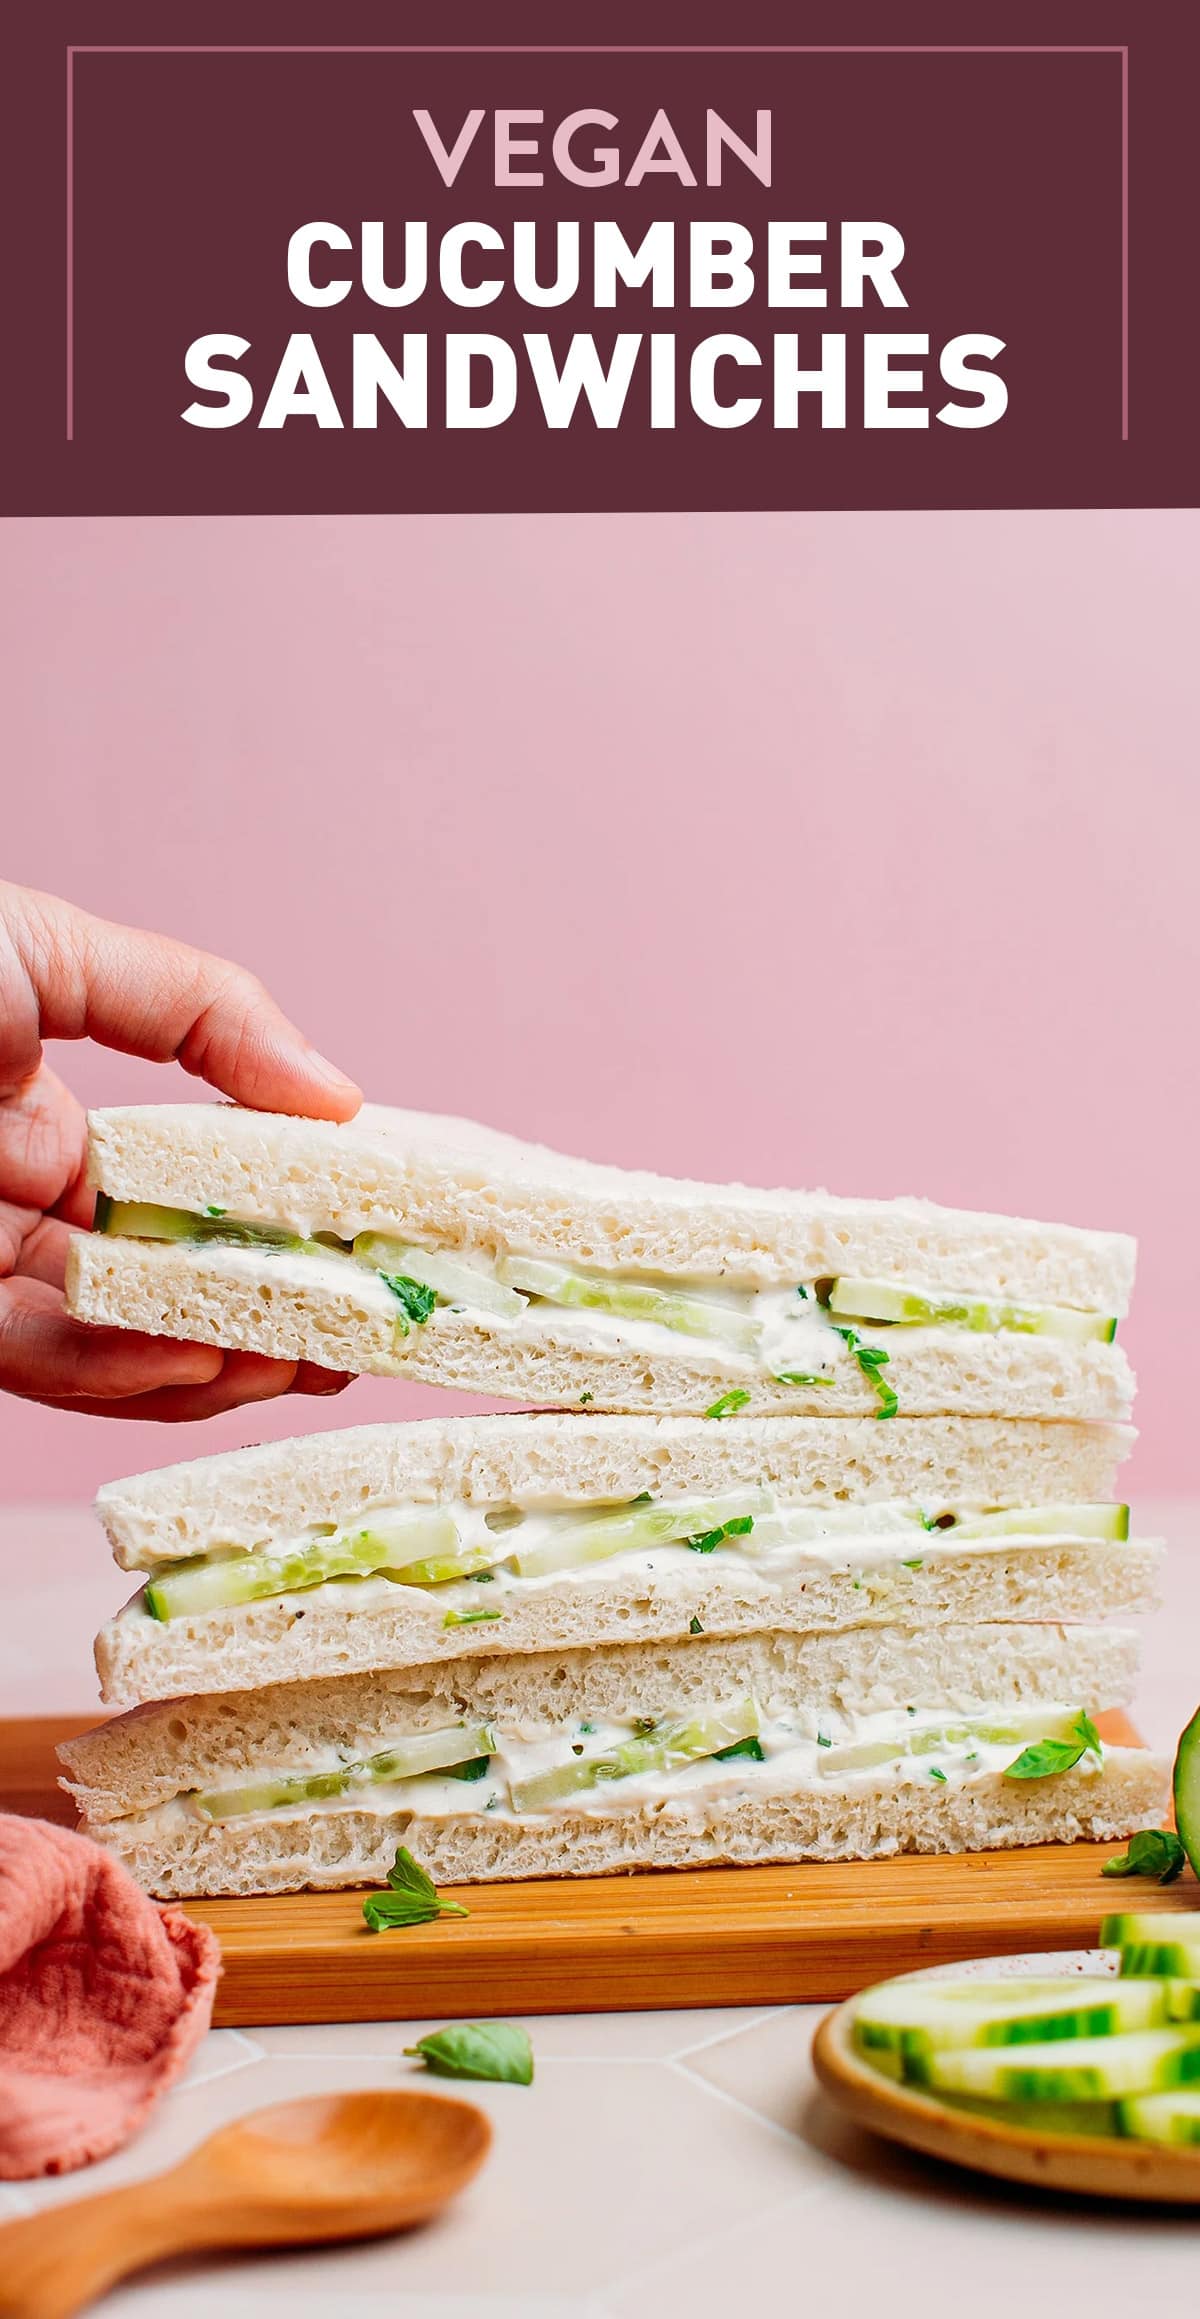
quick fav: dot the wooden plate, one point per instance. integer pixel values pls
(1092, 2166)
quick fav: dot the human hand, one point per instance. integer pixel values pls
(67, 975)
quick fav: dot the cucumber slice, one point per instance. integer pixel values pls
(1081, 2069)
(664, 1748)
(623, 1529)
(454, 1278)
(426, 1751)
(187, 1589)
(139, 1220)
(902, 2019)
(881, 1300)
(1173, 2117)
(1177, 1961)
(633, 1300)
(1020, 1730)
(1187, 1792)
(1125, 1931)
(1044, 1522)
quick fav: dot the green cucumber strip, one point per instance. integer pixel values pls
(914, 2018)
(880, 1300)
(141, 1220)
(426, 1751)
(630, 1299)
(1172, 2118)
(1123, 1930)
(454, 1279)
(188, 1589)
(1176, 1960)
(1044, 1522)
(665, 1748)
(622, 1529)
(1023, 1727)
(1082, 2069)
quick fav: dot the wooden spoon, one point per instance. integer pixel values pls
(1095, 2165)
(329, 2167)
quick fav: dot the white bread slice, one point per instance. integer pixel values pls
(252, 1497)
(344, 1629)
(341, 1316)
(868, 1819)
(454, 1181)
(157, 1752)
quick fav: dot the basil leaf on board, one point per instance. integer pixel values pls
(1152, 1852)
(413, 1898)
(499, 2050)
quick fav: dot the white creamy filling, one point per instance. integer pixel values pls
(803, 1748)
(883, 1542)
(797, 1333)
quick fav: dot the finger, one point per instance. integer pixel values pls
(43, 1144)
(244, 1378)
(310, 1379)
(46, 1355)
(67, 975)
(43, 1252)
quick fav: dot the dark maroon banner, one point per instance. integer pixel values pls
(333, 265)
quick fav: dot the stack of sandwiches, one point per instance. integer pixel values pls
(810, 1550)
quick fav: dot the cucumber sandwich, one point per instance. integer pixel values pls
(402, 1243)
(770, 1746)
(388, 1546)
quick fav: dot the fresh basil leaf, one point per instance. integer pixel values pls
(415, 1300)
(1152, 1852)
(708, 1540)
(729, 1403)
(1050, 1756)
(413, 1897)
(499, 2050)
(407, 1875)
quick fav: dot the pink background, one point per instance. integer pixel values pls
(851, 849)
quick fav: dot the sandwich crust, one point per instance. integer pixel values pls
(455, 1181)
(873, 1820)
(298, 1637)
(157, 1752)
(249, 1301)
(277, 1489)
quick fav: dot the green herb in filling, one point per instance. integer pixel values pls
(709, 1540)
(729, 1403)
(415, 1300)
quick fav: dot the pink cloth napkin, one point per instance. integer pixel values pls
(103, 1997)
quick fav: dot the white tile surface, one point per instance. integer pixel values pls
(661, 2163)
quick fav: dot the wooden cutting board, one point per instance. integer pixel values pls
(711, 1936)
